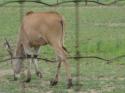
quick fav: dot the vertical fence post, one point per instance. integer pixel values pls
(77, 41)
(21, 9)
(97, 0)
(57, 1)
(22, 73)
(86, 2)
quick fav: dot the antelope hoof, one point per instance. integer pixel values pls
(69, 85)
(15, 78)
(28, 80)
(28, 77)
(39, 74)
(53, 82)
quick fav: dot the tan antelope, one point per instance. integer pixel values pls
(38, 29)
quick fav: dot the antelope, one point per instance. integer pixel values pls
(39, 29)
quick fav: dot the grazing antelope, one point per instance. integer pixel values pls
(38, 29)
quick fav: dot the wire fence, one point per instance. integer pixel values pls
(76, 4)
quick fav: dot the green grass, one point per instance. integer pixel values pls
(102, 33)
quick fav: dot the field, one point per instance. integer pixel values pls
(102, 33)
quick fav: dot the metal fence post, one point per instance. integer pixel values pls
(21, 9)
(77, 42)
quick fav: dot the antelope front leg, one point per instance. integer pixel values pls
(17, 65)
(35, 61)
(29, 61)
(14, 76)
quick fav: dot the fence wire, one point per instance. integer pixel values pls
(78, 55)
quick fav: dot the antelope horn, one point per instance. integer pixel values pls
(7, 43)
(9, 49)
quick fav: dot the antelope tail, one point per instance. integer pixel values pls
(62, 24)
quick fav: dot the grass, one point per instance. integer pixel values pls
(101, 34)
